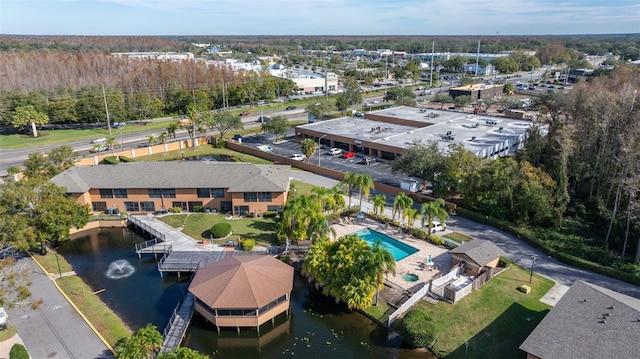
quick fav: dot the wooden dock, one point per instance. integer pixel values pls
(178, 324)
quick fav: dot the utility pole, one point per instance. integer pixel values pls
(433, 45)
(477, 57)
(106, 108)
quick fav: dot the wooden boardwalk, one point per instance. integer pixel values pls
(165, 236)
(178, 324)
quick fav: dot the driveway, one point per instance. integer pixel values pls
(517, 250)
(55, 329)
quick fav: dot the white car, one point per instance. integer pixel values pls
(99, 140)
(298, 157)
(359, 114)
(98, 148)
(265, 148)
(437, 226)
(335, 151)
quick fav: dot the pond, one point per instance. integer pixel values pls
(133, 288)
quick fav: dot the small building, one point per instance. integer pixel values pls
(476, 91)
(587, 322)
(477, 255)
(242, 291)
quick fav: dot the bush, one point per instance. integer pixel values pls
(417, 329)
(248, 244)
(126, 159)
(111, 160)
(438, 241)
(175, 209)
(18, 351)
(221, 144)
(270, 214)
(504, 262)
(198, 209)
(220, 230)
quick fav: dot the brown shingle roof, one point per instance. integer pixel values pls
(588, 322)
(242, 282)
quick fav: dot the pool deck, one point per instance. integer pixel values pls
(415, 263)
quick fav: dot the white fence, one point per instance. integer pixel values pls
(454, 273)
(408, 304)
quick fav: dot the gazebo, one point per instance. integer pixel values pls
(242, 291)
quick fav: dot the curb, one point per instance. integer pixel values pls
(72, 304)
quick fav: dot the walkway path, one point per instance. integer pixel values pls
(55, 329)
(178, 324)
(517, 250)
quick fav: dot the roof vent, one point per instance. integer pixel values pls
(603, 322)
(611, 307)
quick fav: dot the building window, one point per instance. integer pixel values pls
(148, 206)
(203, 193)
(182, 205)
(225, 206)
(131, 207)
(274, 208)
(155, 193)
(120, 192)
(99, 206)
(274, 303)
(106, 193)
(251, 197)
(264, 197)
(217, 192)
(241, 210)
(195, 206)
(169, 192)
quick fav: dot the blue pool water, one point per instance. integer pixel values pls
(398, 249)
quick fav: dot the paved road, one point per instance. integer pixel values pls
(55, 330)
(517, 250)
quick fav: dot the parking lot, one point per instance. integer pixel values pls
(380, 171)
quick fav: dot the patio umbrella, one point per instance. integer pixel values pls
(429, 260)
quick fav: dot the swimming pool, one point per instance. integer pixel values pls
(398, 249)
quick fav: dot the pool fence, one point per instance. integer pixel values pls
(408, 304)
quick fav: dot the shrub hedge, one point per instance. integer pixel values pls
(221, 229)
(417, 329)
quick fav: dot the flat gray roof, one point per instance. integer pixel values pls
(474, 132)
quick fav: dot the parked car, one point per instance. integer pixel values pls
(349, 154)
(335, 151)
(237, 136)
(289, 108)
(263, 119)
(437, 226)
(245, 113)
(359, 114)
(298, 157)
(119, 124)
(99, 140)
(367, 161)
(265, 148)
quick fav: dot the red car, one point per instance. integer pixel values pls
(349, 154)
(245, 113)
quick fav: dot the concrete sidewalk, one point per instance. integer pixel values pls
(55, 329)
(5, 346)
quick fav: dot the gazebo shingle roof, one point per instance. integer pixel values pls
(242, 282)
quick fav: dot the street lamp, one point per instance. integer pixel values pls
(319, 139)
(59, 271)
(533, 261)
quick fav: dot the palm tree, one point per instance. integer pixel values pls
(151, 140)
(382, 262)
(400, 204)
(412, 214)
(112, 143)
(431, 210)
(308, 147)
(162, 137)
(143, 344)
(349, 183)
(379, 202)
(322, 195)
(365, 184)
(336, 201)
(171, 130)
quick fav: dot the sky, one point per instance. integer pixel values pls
(318, 17)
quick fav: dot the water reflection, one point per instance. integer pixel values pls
(316, 326)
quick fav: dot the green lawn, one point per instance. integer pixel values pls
(495, 320)
(458, 237)
(197, 225)
(7, 333)
(47, 138)
(302, 188)
(203, 150)
(106, 322)
(380, 312)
